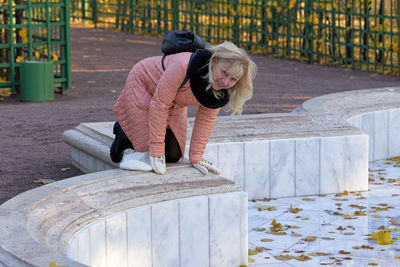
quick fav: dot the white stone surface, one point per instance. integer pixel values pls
(244, 232)
(225, 216)
(84, 243)
(98, 249)
(165, 234)
(73, 249)
(116, 241)
(282, 177)
(368, 126)
(356, 163)
(257, 169)
(95, 221)
(394, 132)
(381, 134)
(332, 164)
(197, 231)
(231, 159)
(194, 232)
(307, 166)
(139, 237)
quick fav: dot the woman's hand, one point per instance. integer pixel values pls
(205, 166)
(158, 164)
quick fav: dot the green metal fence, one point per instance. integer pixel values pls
(361, 34)
(34, 30)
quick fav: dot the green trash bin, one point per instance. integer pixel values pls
(36, 81)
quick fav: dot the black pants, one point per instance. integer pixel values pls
(172, 150)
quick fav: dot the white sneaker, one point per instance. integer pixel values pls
(158, 164)
(135, 161)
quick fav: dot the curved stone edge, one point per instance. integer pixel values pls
(352, 103)
(38, 224)
(376, 112)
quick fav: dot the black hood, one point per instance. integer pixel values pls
(197, 70)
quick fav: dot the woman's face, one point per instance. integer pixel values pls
(221, 78)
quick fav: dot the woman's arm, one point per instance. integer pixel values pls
(203, 126)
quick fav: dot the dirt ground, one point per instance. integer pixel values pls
(31, 142)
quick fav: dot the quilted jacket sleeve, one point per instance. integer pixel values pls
(203, 126)
(161, 103)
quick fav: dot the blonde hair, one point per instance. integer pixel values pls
(242, 66)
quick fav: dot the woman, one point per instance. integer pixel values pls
(152, 108)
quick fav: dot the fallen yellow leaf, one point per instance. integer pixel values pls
(278, 233)
(267, 240)
(318, 254)
(348, 233)
(253, 252)
(284, 257)
(382, 237)
(269, 208)
(309, 238)
(294, 210)
(4, 92)
(45, 181)
(327, 238)
(363, 247)
(302, 257)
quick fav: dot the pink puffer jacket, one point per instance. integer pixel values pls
(152, 100)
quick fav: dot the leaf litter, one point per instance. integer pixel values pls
(351, 211)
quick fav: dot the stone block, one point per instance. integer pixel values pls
(282, 179)
(307, 166)
(257, 169)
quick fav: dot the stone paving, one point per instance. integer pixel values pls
(349, 229)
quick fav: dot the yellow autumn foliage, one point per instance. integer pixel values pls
(19, 59)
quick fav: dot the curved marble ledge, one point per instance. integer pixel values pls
(38, 224)
(375, 111)
(267, 155)
(346, 105)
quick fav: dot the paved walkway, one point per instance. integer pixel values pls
(350, 229)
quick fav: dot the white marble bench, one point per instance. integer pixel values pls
(267, 155)
(120, 218)
(322, 147)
